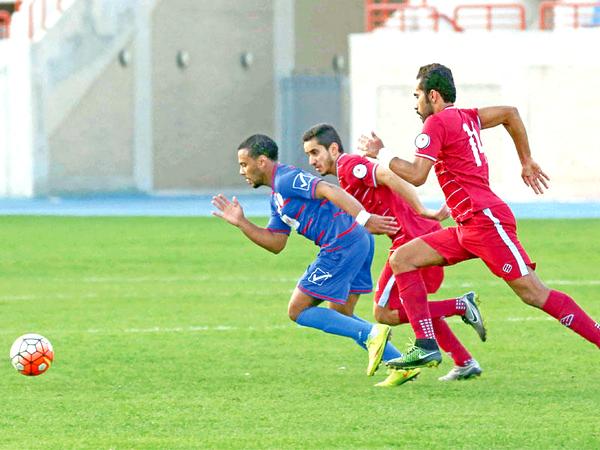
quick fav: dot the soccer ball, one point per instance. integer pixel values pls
(31, 354)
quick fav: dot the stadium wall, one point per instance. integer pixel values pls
(545, 74)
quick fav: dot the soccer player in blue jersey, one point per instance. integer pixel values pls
(334, 221)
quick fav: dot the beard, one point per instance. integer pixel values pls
(426, 113)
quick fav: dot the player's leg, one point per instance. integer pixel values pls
(332, 277)
(302, 309)
(405, 263)
(557, 304)
(389, 352)
(388, 308)
(494, 239)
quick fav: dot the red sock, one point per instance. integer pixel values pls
(448, 342)
(447, 308)
(414, 299)
(563, 308)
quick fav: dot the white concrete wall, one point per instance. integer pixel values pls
(16, 152)
(549, 76)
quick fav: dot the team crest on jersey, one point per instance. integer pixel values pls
(302, 181)
(319, 276)
(359, 171)
(422, 141)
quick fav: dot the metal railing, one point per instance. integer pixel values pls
(400, 15)
(4, 24)
(509, 16)
(569, 15)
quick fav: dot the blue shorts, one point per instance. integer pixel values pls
(337, 273)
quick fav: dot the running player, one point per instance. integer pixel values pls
(334, 221)
(382, 192)
(486, 228)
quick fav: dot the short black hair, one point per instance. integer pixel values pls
(259, 144)
(325, 135)
(436, 77)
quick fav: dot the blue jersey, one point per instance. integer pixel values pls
(293, 205)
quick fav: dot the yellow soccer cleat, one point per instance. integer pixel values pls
(376, 341)
(399, 377)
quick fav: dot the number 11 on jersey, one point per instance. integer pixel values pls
(475, 142)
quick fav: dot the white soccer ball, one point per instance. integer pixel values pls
(31, 354)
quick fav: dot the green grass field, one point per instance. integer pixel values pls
(172, 333)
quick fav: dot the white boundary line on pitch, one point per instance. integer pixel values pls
(228, 328)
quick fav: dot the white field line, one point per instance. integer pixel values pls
(227, 328)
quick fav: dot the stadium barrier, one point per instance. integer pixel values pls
(400, 16)
(490, 16)
(560, 15)
(4, 24)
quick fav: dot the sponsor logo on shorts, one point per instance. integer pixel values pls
(506, 268)
(319, 276)
(302, 181)
(597, 325)
(567, 320)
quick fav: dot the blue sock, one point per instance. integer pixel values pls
(390, 352)
(333, 322)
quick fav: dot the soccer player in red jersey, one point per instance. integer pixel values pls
(382, 192)
(450, 142)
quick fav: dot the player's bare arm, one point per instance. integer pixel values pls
(415, 173)
(508, 116)
(232, 212)
(386, 177)
(374, 223)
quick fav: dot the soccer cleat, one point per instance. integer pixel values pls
(473, 315)
(416, 357)
(376, 341)
(470, 370)
(398, 377)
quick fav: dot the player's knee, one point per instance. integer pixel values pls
(399, 262)
(385, 316)
(379, 315)
(293, 311)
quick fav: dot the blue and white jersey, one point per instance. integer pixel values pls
(293, 205)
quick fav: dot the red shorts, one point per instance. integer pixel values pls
(387, 294)
(491, 235)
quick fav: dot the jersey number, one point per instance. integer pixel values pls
(475, 142)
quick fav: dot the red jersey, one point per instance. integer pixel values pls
(357, 177)
(451, 139)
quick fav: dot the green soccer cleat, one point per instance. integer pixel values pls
(473, 315)
(416, 357)
(399, 377)
(376, 341)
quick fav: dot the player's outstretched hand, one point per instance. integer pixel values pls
(370, 146)
(441, 214)
(382, 225)
(534, 177)
(231, 211)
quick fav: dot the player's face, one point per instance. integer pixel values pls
(424, 106)
(250, 169)
(319, 157)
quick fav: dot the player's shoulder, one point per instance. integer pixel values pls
(290, 177)
(355, 165)
(350, 159)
